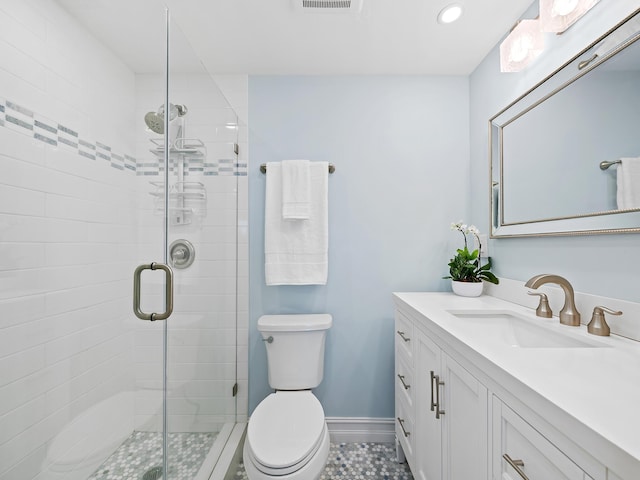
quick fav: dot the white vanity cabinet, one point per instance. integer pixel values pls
(445, 415)
(464, 411)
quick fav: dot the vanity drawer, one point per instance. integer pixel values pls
(404, 383)
(404, 338)
(405, 431)
(522, 452)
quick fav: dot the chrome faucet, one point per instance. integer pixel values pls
(569, 315)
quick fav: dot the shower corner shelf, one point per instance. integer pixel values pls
(188, 147)
(187, 199)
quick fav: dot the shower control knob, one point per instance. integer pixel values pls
(182, 253)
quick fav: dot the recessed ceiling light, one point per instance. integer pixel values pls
(450, 13)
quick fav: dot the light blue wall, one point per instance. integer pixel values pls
(401, 150)
(603, 264)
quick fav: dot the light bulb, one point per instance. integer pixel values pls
(563, 7)
(450, 13)
(558, 15)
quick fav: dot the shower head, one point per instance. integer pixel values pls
(155, 120)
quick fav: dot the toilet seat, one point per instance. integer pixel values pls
(285, 432)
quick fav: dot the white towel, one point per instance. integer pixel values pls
(296, 252)
(628, 180)
(295, 189)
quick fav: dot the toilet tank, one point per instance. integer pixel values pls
(295, 357)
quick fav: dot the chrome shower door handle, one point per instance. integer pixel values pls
(168, 291)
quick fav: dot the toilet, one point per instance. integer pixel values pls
(287, 436)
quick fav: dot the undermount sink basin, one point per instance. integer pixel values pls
(514, 330)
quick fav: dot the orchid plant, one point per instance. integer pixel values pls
(466, 266)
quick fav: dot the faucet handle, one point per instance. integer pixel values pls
(543, 310)
(598, 324)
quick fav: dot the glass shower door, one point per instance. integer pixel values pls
(203, 252)
(195, 203)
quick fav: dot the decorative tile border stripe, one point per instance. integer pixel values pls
(130, 163)
(68, 138)
(22, 120)
(196, 165)
(27, 122)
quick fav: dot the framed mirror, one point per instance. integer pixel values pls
(556, 151)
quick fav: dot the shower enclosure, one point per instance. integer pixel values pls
(122, 247)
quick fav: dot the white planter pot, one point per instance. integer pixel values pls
(467, 289)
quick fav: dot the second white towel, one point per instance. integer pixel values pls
(296, 186)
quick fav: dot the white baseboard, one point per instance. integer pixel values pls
(361, 429)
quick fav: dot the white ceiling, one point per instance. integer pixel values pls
(271, 37)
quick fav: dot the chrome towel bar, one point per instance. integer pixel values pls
(263, 168)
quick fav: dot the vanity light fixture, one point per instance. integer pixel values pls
(450, 13)
(558, 15)
(523, 44)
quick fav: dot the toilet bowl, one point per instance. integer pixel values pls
(287, 436)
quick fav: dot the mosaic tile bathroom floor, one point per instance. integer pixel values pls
(355, 461)
(143, 450)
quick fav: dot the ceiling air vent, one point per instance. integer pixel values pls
(328, 6)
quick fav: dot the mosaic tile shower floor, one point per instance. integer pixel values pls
(143, 451)
(359, 461)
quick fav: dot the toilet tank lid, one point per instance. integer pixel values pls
(294, 323)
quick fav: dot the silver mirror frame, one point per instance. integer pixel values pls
(607, 222)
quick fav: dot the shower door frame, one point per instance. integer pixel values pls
(168, 300)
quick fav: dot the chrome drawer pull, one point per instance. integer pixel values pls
(401, 422)
(516, 464)
(402, 336)
(435, 385)
(401, 377)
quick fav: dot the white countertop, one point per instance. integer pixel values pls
(599, 387)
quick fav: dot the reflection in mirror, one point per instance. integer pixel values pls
(548, 146)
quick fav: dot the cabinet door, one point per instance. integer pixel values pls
(428, 446)
(465, 425)
(534, 456)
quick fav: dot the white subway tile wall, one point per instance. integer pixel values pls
(78, 373)
(67, 335)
